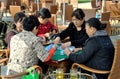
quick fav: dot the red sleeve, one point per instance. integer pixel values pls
(41, 35)
(51, 51)
(53, 26)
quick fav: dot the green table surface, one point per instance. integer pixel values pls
(58, 57)
(59, 54)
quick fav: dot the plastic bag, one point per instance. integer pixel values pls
(32, 74)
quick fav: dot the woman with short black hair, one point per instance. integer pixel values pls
(26, 48)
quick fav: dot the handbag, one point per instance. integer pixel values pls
(33, 74)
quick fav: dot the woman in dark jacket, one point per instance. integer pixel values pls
(75, 30)
(98, 51)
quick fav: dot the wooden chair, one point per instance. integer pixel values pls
(38, 69)
(53, 9)
(115, 14)
(53, 19)
(118, 4)
(4, 56)
(68, 12)
(14, 9)
(26, 3)
(115, 70)
(93, 3)
(74, 3)
(89, 13)
(61, 1)
(114, 17)
(4, 53)
(33, 7)
(46, 3)
(105, 17)
(2, 62)
(10, 2)
(108, 5)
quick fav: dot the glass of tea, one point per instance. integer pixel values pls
(59, 73)
(73, 74)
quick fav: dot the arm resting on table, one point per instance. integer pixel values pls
(51, 51)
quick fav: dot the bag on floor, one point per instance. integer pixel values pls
(32, 74)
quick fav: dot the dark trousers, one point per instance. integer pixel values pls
(43, 66)
(99, 76)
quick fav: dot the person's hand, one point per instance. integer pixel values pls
(64, 45)
(43, 39)
(47, 35)
(67, 51)
(77, 49)
(57, 40)
(54, 32)
(55, 46)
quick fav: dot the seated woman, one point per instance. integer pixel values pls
(16, 27)
(45, 28)
(75, 30)
(98, 51)
(26, 48)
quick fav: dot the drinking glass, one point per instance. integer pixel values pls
(59, 73)
(73, 74)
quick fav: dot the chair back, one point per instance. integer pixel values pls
(68, 12)
(53, 9)
(114, 10)
(105, 16)
(115, 70)
(118, 5)
(33, 7)
(89, 13)
(53, 19)
(93, 3)
(108, 5)
(74, 3)
(14, 9)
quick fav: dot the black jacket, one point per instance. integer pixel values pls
(98, 52)
(77, 38)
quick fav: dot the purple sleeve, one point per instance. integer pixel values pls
(8, 38)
